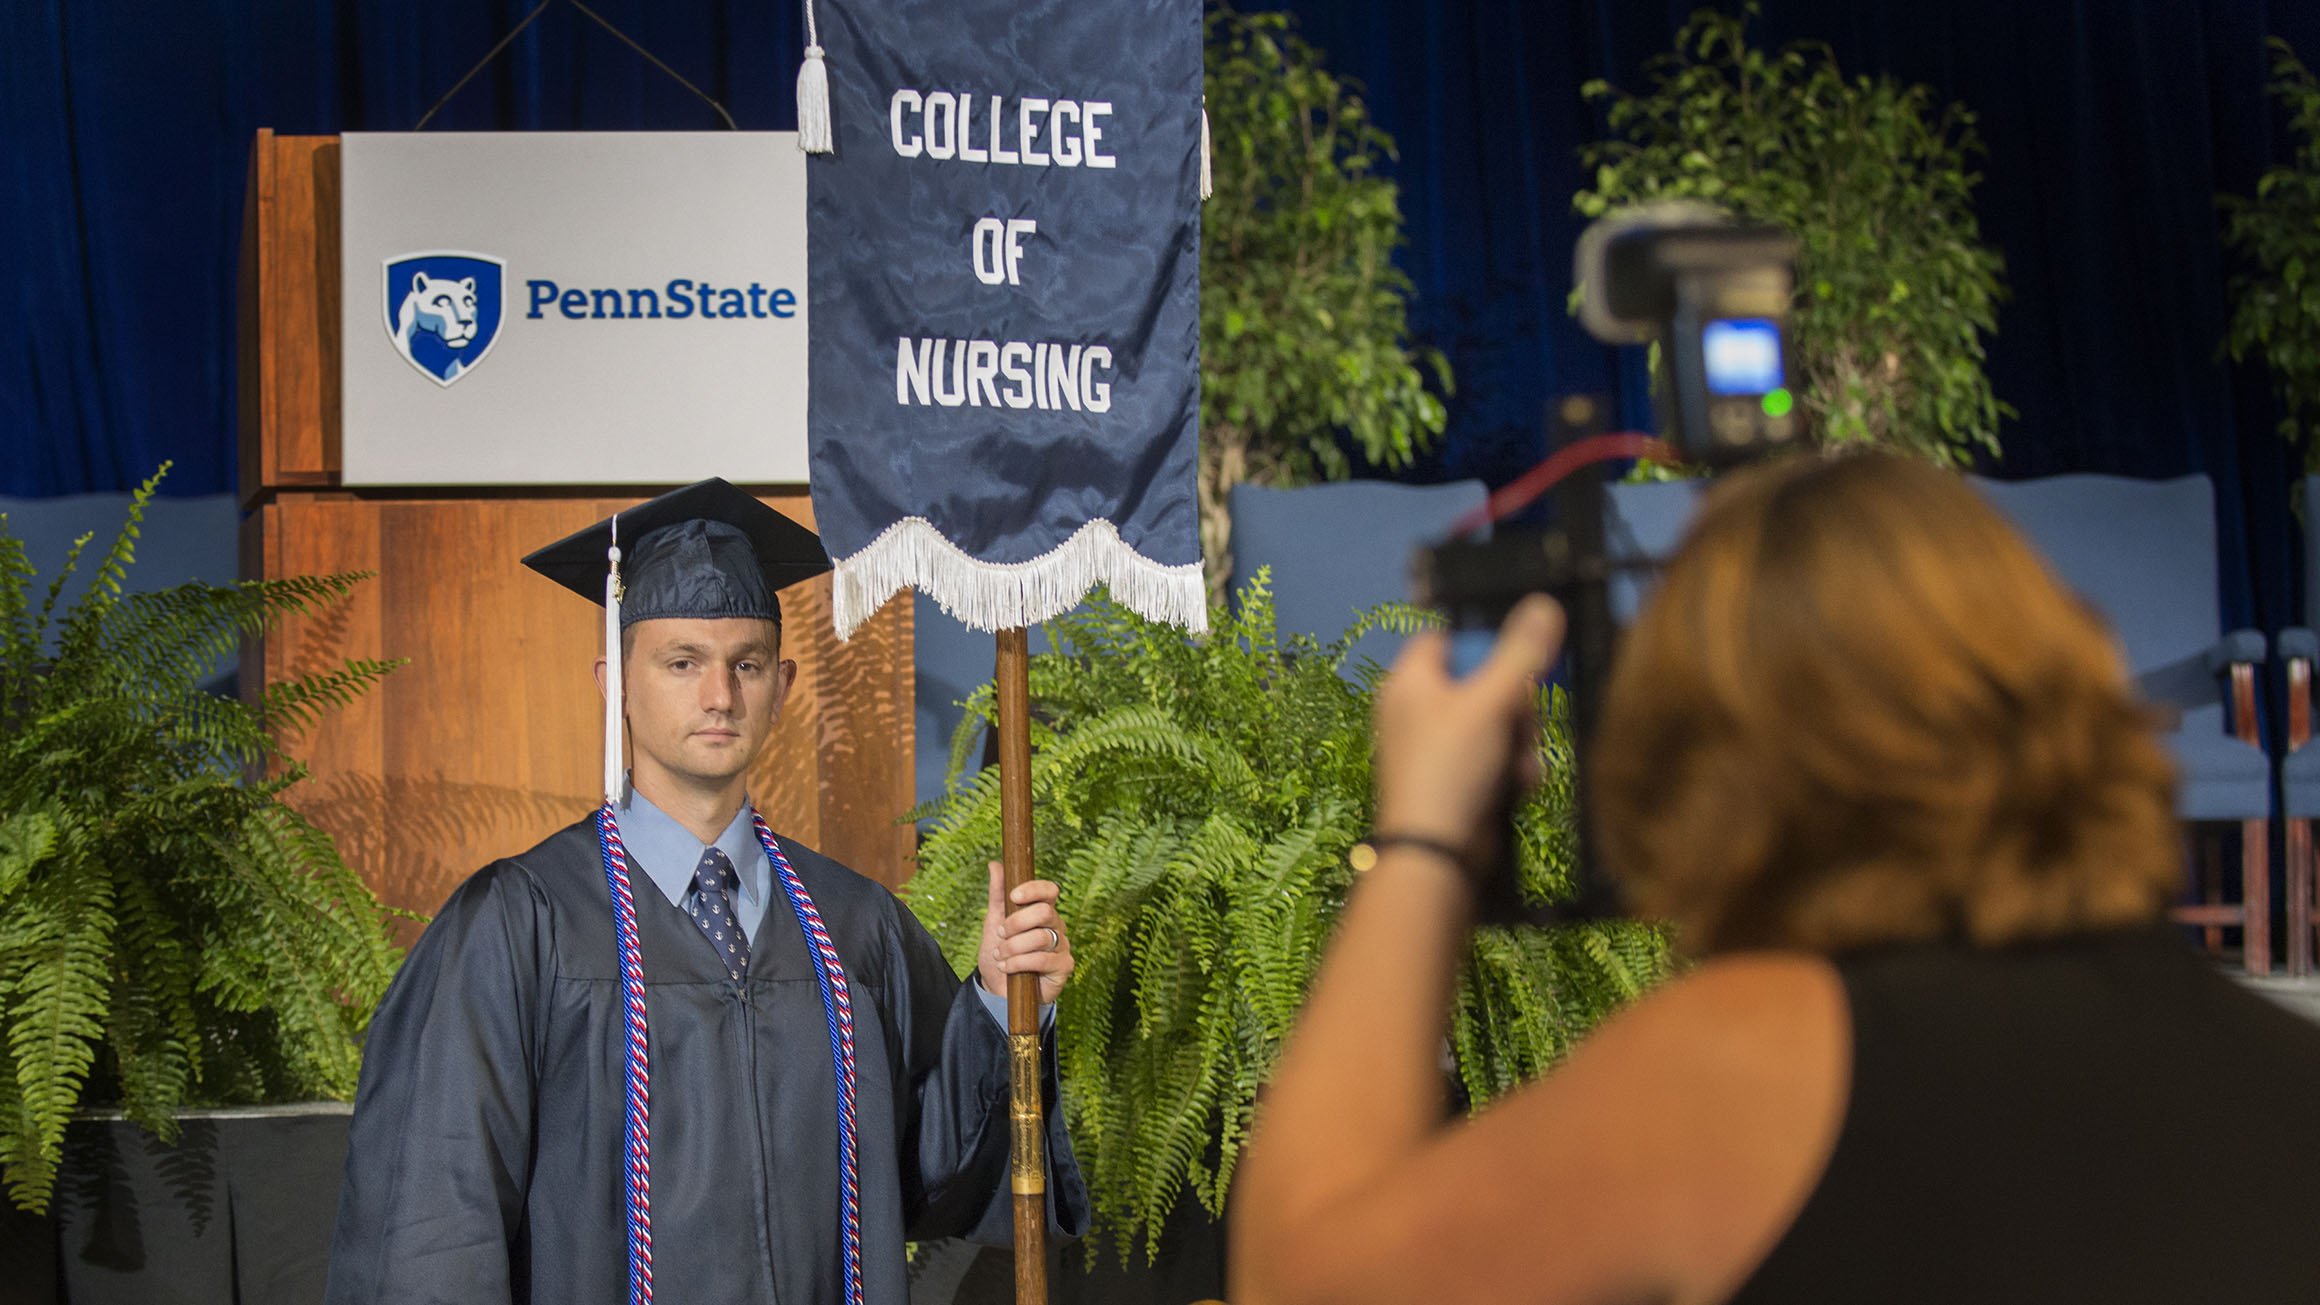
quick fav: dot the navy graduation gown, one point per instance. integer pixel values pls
(483, 1163)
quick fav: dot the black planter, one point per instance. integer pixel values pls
(239, 1212)
(1190, 1267)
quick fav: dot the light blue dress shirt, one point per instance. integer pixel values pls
(668, 854)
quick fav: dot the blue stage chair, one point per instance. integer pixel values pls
(181, 540)
(952, 662)
(2143, 553)
(2298, 648)
(1339, 548)
(1642, 523)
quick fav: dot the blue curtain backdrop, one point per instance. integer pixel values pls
(2111, 125)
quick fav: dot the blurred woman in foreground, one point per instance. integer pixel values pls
(1889, 782)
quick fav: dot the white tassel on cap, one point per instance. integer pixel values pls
(814, 136)
(612, 712)
(1207, 175)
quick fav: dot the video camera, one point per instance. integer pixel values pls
(1713, 296)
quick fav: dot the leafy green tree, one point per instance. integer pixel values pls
(1896, 290)
(1304, 334)
(170, 933)
(2275, 306)
(1196, 800)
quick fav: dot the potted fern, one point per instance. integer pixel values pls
(171, 934)
(1195, 799)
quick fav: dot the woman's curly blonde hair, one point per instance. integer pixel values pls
(1860, 710)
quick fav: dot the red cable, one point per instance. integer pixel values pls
(1525, 489)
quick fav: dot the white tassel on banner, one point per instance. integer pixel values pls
(1207, 174)
(814, 135)
(1001, 595)
(814, 103)
(612, 708)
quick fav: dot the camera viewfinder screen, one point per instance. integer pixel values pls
(1742, 355)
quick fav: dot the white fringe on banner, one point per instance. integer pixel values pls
(1003, 595)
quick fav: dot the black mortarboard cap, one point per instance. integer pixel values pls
(707, 550)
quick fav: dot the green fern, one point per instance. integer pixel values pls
(1196, 799)
(170, 933)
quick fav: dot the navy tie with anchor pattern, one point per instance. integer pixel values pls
(714, 882)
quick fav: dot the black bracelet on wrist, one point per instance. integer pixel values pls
(1365, 853)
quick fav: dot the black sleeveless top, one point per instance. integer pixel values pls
(2103, 1119)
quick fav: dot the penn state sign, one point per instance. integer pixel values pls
(533, 308)
(446, 311)
(1006, 347)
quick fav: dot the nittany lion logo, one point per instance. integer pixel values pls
(443, 310)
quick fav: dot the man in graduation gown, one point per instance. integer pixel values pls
(486, 1161)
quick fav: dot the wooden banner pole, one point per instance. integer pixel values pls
(1029, 1137)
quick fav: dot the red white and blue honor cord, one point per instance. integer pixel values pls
(838, 1009)
(636, 1077)
(636, 1132)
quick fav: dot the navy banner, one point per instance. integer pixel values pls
(1005, 339)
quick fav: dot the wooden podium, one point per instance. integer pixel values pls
(488, 740)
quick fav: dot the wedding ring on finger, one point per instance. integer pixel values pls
(1054, 939)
